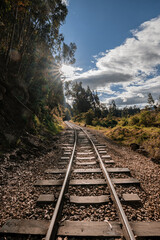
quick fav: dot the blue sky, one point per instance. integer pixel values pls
(118, 48)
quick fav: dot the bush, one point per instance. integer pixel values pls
(124, 122)
(96, 121)
(89, 117)
(108, 123)
(142, 138)
(67, 114)
(134, 120)
(147, 118)
(78, 118)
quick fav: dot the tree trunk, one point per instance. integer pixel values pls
(12, 37)
(21, 31)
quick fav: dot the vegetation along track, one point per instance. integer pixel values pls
(86, 188)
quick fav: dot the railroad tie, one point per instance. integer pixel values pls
(89, 199)
(86, 163)
(117, 181)
(80, 228)
(45, 199)
(130, 198)
(98, 170)
(106, 156)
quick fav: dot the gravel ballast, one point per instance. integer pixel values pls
(19, 195)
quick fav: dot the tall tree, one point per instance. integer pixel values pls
(113, 108)
(82, 99)
(31, 50)
(150, 99)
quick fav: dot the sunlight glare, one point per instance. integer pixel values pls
(67, 71)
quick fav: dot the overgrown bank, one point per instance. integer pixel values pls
(141, 131)
(32, 50)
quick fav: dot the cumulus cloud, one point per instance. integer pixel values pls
(136, 94)
(70, 72)
(133, 64)
(65, 2)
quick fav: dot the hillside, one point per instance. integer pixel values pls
(141, 131)
(32, 51)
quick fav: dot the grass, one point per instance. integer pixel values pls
(142, 129)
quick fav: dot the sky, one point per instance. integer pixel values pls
(118, 48)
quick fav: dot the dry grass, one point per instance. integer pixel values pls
(142, 129)
(148, 138)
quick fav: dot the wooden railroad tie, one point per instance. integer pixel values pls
(86, 163)
(45, 199)
(86, 182)
(89, 199)
(80, 228)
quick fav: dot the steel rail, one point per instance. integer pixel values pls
(53, 226)
(127, 230)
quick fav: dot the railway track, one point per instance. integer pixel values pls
(86, 166)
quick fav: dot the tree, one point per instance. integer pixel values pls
(31, 50)
(113, 108)
(68, 53)
(83, 99)
(150, 99)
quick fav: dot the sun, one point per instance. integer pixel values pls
(67, 71)
(70, 72)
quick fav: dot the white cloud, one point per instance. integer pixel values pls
(66, 2)
(70, 72)
(140, 95)
(137, 95)
(129, 64)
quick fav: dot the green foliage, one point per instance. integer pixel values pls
(147, 118)
(52, 126)
(150, 99)
(67, 114)
(48, 122)
(83, 99)
(134, 120)
(124, 121)
(142, 138)
(89, 117)
(79, 118)
(96, 121)
(68, 53)
(112, 108)
(105, 122)
(36, 121)
(31, 52)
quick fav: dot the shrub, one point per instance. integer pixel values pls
(134, 120)
(108, 123)
(142, 138)
(67, 114)
(96, 121)
(147, 118)
(124, 122)
(89, 117)
(78, 118)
